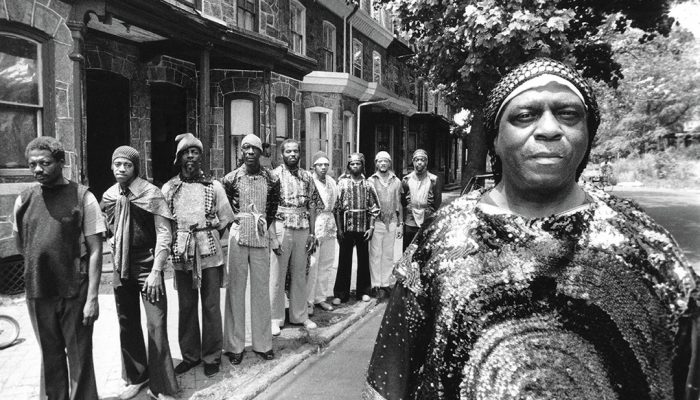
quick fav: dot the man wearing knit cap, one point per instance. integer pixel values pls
(294, 227)
(202, 213)
(138, 222)
(321, 273)
(355, 212)
(58, 228)
(253, 192)
(421, 196)
(381, 247)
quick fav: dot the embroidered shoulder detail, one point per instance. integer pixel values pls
(407, 271)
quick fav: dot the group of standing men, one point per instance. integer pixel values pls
(279, 221)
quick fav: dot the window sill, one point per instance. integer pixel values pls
(15, 172)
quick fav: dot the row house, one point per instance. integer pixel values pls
(98, 74)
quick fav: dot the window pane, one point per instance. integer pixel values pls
(19, 77)
(282, 120)
(242, 117)
(376, 67)
(18, 126)
(357, 59)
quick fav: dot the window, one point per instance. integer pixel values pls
(376, 67)
(242, 117)
(348, 134)
(328, 50)
(21, 97)
(319, 132)
(297, 25)
(283, 118)
(247, 14)
(357, 58)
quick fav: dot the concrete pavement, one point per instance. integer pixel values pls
(20, 363)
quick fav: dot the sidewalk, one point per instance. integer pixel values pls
(20, 363)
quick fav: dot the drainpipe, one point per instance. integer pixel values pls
(345, 36)
(357, 133)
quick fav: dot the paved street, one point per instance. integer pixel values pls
(676, 210)
(338, 373)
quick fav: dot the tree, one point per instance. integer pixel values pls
(659, 93)
(465, 46)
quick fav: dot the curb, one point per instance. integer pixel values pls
(315, 344)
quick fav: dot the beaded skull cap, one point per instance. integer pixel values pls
(524, 73)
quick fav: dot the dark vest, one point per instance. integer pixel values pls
(143, 235)
(50, 224)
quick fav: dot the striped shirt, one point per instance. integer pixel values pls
(357, 204)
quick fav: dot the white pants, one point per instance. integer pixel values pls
(293, 242)
(381, 254)
(321, 271)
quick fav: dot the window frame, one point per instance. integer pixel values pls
(325, 50)
(290, 118)
(329, 132)
(228, 98)
(357, 42)
(292, 33)
(243, 9)
(376, 68)
(46, 111)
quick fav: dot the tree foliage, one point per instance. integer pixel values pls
(660, 91)
(465, 46)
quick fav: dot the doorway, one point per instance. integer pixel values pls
(107, 109)
(168, 119)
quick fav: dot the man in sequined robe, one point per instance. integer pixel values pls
(201, 214)
(254, 195)
(537, 288)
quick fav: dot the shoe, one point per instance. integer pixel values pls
(234, 358)
(374, 292)
(186, 366)
(336, 301)
(132, 390)
(212, 369)
(265, 355)
(324, 306)
(366, 298)
(310, 309)
(309, 325)
(275, 329)
(159, 396)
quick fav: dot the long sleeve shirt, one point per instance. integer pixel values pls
(388, 194)
(250, 194)
(297, 197)
(357, 206)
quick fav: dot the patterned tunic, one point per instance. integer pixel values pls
(253, 198)
(357, 204)
(420, 197)
(297, 197)
(595, 303)
(387, 195)
(325, 221)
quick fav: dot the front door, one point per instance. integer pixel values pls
(107, 108)
(168, 119)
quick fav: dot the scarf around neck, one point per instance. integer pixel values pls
(116, 204)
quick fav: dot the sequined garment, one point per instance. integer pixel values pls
(596, 303)
(357, 204)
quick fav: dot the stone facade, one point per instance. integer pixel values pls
(48, 19)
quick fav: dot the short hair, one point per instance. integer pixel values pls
(48, 143)
(287, 141)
